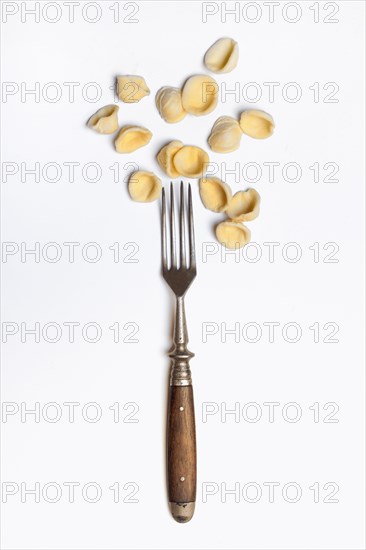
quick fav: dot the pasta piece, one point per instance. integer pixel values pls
(225, 135)
(190, 161)
(232, 235)
(144, 186)
(256, 124)
(200, 95)
(244, 206)
(130, 138)
(131, 88)
(105, 120)
(169, 104)
(222, 56)
(215, 194)
(166, 155)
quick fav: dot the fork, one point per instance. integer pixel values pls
(181, 431)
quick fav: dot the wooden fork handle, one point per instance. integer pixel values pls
(181, 443)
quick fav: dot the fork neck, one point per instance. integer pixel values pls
(180, 328)
(181, 372)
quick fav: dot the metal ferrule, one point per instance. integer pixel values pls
(180, 370)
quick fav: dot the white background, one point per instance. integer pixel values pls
(166, 46)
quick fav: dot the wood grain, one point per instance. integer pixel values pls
(181, 439)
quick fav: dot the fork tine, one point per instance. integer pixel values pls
(173, 261)
(163, 232)
(192, 251)
(182, 248)
(179, 266)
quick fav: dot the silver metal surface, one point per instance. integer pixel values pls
(179, 278)
(182, 511)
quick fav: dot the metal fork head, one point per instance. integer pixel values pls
(179, 276)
